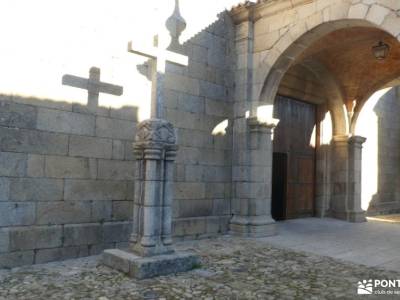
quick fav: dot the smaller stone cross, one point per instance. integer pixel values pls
(93, 85)
(159, 56)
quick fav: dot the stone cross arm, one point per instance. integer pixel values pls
(93, 84)
(161, 56)
(83, 83)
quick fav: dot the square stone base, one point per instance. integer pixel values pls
(147, 267)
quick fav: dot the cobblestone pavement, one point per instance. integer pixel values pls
(231, 269)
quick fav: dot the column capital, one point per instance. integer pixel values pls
(357, 140)
(155, 133)
(256, 124)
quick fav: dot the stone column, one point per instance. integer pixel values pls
(346, 178)
(151, 252)
(155, 150)
(354, 210)
(253, 218)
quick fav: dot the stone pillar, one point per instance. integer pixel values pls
(354, 210)
(151, 252)
(155, 150)
(253, 218)
(346, 178)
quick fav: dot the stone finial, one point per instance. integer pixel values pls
(175, 24)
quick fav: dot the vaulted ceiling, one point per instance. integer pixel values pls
(346, 55)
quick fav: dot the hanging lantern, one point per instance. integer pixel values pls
(381, 50)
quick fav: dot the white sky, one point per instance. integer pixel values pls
(42, 40)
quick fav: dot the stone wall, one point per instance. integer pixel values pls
(199, 98)
(66, 171)
(66, 179)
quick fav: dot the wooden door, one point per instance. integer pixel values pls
(293, 136)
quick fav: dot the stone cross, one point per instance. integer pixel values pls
(159, 56)
(151, 250)
(93, 85)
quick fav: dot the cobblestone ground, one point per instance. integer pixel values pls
(231, 269)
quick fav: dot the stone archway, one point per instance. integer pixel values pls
(322, 18)
(271, 38)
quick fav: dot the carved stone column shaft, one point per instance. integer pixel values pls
(155, 152)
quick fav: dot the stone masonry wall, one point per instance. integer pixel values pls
(65, 180)
(66, 172)
(198, 99)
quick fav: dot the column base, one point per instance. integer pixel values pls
(147, 267)
(158, 249)
(351, 216)
(257, 227)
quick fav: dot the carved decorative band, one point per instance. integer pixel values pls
(156, 131)
(153, 154)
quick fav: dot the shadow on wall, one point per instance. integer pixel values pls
(66, 179)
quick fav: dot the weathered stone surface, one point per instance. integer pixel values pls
(141, 268)
(4, 240)
(101, 211)
(16, 259)
(83, 234)
(194, 208)
(189, 190)
(76, 189)
(37, 237)
(190, 227)
(55, 254)
(118, 149)
(90, 147)
(116, 170)
(35, 167)
(70, 167)
(125, 113)
(63, 212)
(117, 129)
(4, 189)
(12, 164)
(17, 115)
(36, 189)
(122, 210)
(17, 213)
(117, 231)
(66, 122)
(32, 141)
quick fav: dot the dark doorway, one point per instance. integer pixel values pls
(294, 137)
(279, 183)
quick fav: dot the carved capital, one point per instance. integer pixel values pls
(156, 132)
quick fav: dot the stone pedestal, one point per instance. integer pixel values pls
(346, 178)
(151, 252)
(254, 195)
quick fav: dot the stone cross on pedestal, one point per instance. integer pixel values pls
(151, 252)
(93, 85)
